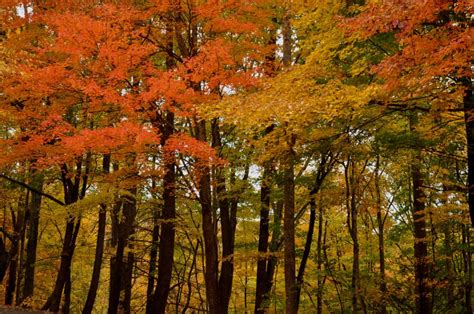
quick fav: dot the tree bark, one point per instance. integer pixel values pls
(469, 125)
(74, 189)
(119, 265)
(264, 234)
(152, 263)
(211, 274)
(18, 230)
(320, 261)
(99, 248)
(307, 249)
(380, 235)
(227, 214)
(422, 290)
(467, 262)
(32, 234)
(166, 245)
(289, 254)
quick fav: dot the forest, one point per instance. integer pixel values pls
(237, 156)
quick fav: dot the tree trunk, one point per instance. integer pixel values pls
(352, 182)
(467, 261)
(227, 214)
(380, 235)
(166, 245)
(289, 254)
(422, 290)
(469, 125)
(99, 248)
(263, 237)
(32, 234)
(325, 165)
(18, 230)
(119, 266)
(210, 238)
(307, 249)
(21, 262)
(152, 264)
(319, 250)
(73, 191)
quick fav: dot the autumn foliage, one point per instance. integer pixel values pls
(212, 156)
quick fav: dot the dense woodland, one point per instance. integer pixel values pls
(192, 156)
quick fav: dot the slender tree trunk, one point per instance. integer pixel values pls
(448, 263)
(53, 302)
(352, 182)
(120, 267)
(73, 191)
(211, 274)
(152, 264)
(227, 214)
(320, 261)
(21, 264)
(272, 260)
(263, 237)
(467, 261)
(289, 254)
(422, 290)
(469, 125)
(307, 249)
(352, 213)
(289, 194)
(166, 245)
(325, 166)
(32, 234)
(67, 294)
(125, 306)
(261, 297)
(116, 274)
(380, 235)
(99, 248)
(18, 230)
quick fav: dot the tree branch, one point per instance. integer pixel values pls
(32, 189)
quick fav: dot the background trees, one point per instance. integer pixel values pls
(174, 156)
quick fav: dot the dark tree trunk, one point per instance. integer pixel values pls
(227, 214)
(167, 238)
(116, 273)
(210, 238)
(467, 262)
(67, 294)
(99, 248)
(264, 234)
(127, 283)
(353, 213)
(32, 234)
(21, 262)
(325, 165)
(289, 254)
(73, 191)
(307, 249)
(469, 125)
(352, 182)
(120, 267)
(450, 278)
(152, 264)
(422, 290)
(18, 230)
(319, 250)
(272, 261)
(159, 296)
(380, 235)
